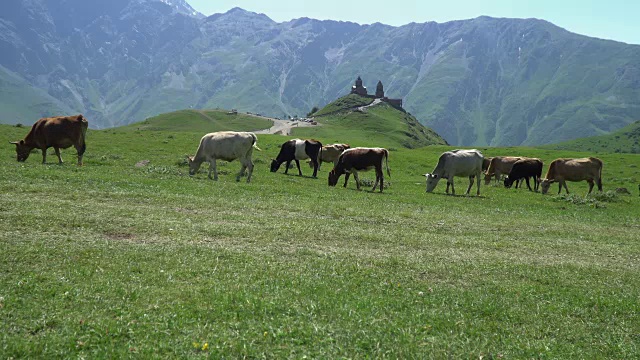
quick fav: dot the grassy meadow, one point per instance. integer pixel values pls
(114, 260)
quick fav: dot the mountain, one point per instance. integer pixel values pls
(625, 140)
(476, 82)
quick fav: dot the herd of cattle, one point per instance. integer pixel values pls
(67, 131)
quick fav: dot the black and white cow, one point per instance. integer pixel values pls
(296, 150)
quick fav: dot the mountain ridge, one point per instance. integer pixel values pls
(485, 81)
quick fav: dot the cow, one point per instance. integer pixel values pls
(524, 169)
(499, 165)
(58, 132)
(227, 146)
(563, 170)
(351, 161)
(330, 153)
(296, 150)
(485, 164)
(467, 163)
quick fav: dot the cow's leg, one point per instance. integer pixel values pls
(357, 179)
(81, 149)
(565, 185)
(447, 191)
(298, 165)
(591, 183)
(316, 166)
(286, 169)
(44, 155)
(346, 178)
(57, 150)
(470, 184)
(213, 167)
(377, 180)
(381, 180)
(243, 167)
(478, 183)
(250, 167)
(453, 189)
(527, 180)
(599, 182)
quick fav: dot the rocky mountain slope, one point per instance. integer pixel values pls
(483, 81)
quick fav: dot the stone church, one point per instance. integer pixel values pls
(361, 90)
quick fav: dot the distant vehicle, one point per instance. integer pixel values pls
(233, 111)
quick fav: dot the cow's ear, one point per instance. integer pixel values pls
(14, 142)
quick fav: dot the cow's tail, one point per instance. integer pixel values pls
(255, 142)
(386, 161)
(85, 125)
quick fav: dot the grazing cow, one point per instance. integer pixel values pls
(563, 170)
(351, 161)
(227, 146)
(330, 153)
(524, 169)
(499, 165)
(467, 163)
(485, 164)
(296, 150)
(58, 132)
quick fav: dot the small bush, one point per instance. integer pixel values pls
(19, 125)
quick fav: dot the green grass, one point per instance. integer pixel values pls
(347, 102)
(110, 260)
(625, 140)
(200, 120)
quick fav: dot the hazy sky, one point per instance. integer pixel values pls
(613, 19)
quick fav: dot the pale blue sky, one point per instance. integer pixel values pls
(613, 19)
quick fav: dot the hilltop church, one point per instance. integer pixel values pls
(361, 90)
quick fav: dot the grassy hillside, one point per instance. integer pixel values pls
(204, 121)
(20, 103)
(379, 125)
(625, 140)
(346, 102)
(112, 260)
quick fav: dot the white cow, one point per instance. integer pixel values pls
(467, 163)
(228, 146)
(331, 153)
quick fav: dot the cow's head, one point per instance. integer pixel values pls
(193, 165)
(544, 185)
(487, 178)
(507, 182)
(432, 181)
(22, 150)
(333, 177)
(275, 165)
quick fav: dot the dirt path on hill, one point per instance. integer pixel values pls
(283, 127)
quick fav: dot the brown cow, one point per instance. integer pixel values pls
(58, 132)
(485, 164)
(562, 170)
(331, 153)
(360, 159)
(499, 165)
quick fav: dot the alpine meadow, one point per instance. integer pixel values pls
(130, 256)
